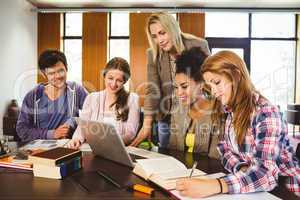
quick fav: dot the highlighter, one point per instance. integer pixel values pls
(142, 188)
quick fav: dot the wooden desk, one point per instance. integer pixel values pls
(15, 184)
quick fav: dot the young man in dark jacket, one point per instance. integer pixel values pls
(48, 109)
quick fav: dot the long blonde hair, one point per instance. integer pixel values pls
(171, 27)
(242, 101)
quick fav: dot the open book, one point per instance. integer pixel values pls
(54, 156)
(163, 171)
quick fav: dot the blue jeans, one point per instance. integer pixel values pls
(163, 134)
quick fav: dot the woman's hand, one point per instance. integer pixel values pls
(144, 133)
(74, 144)
(196, 188)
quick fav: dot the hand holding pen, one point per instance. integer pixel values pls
(197, 187)
(193, 168)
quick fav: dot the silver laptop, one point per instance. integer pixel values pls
(105, 141)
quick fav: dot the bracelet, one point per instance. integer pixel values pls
(221, 186)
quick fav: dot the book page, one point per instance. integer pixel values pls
(160, 165)
(144, 153)
(45, 144)
(176, 174)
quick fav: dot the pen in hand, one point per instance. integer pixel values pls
(193, 168)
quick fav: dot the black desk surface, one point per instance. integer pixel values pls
(86, 184)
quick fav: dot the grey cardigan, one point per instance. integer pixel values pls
(206, 135)
(159, 89)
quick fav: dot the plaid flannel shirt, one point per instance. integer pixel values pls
(266, 150)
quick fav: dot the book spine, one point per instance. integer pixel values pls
(70, 167)
(67, 158)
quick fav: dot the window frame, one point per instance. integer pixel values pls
(68, 37)
(245, 44)
(112, 37)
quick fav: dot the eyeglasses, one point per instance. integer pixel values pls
(60, 72)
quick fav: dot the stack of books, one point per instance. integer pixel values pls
(56, 163)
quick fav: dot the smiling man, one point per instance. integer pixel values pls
(48, 109)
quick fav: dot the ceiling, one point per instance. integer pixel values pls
(165, 4)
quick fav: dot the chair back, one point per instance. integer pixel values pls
(293, 114)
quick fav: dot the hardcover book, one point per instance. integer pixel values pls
(54, 156)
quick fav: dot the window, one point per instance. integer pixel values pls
(267, 42)
(226, 24)
(273, 25)
(119, 37)
(72, 39)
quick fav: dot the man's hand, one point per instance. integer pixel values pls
(62, 132)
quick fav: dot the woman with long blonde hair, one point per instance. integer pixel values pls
(166, 42)
(255, 148)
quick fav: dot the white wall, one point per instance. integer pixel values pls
(18, 51)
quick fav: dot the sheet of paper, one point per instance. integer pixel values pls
(85, 147)
(250, 196)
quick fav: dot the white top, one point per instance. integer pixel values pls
(93, 109)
